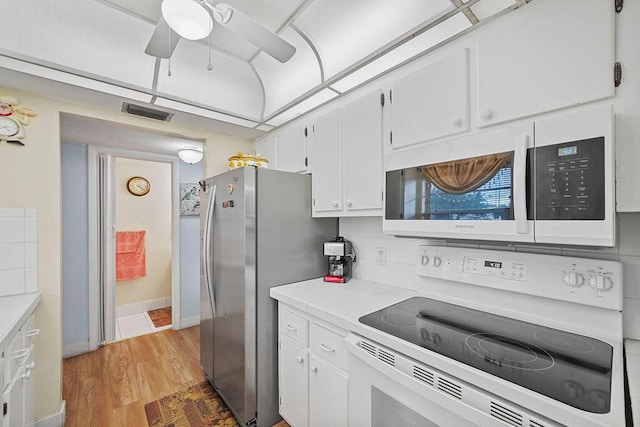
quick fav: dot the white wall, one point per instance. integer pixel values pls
(151, 212)
(75, 248)
(366, 236)
(190, 253)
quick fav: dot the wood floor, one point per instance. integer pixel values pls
(110, 386)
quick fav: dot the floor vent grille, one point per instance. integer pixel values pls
(423, 375)
(386, 357)
(506, 415)
(452, 389)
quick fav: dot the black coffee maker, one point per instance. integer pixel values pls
(341, 257)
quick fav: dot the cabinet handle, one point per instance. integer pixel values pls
(349, 203)
(326, 348)
(457, 122)
(313, 369)
(291, 328)
(33, 332)
(334, 204)
(299, 359)
(20, 353)
(26, 375)
(486, 113)
(31, 365)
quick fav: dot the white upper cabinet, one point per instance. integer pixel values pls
(327, 163)
(347, 159)
(432, 102)
(266, 147)
(362, 148)
(291, 151)
(551, 55)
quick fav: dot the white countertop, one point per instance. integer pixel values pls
(632, 354)
(14, 310)
(340, 303)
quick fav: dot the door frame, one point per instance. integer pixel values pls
(94, 271)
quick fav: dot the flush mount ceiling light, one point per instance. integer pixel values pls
(191, 20)
(187, 18)
(190, 155)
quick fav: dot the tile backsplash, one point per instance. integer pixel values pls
(400, 255)
(18, 251)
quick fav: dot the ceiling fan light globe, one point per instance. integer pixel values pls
(187, 18)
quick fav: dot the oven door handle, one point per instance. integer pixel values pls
(520, 184)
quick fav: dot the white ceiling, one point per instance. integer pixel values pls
(340, 45)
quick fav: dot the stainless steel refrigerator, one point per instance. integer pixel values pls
(256, 233)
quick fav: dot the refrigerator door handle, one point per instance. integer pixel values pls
(206, 251)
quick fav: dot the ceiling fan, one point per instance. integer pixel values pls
(191, 19)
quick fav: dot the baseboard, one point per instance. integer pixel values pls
(75, 349)
(142, 306)
(53, 420)
(189, 322)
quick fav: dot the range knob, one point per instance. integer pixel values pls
(600, 283)
(573, 279)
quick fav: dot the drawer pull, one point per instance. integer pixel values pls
(33, 332)
(299, 359)
(26, 375)
(327, 348)
(20, 353)
(291, 328)
(313, 369)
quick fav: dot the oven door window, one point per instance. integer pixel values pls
(476, 188)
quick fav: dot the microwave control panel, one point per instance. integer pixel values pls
(570, 180)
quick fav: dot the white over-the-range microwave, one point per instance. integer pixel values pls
(545, 181)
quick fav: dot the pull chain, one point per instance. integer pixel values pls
(209, 65)
(169, 69)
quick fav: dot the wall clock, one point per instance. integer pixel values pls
(138, 186)
(8, 127)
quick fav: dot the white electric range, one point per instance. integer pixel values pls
(494, 338)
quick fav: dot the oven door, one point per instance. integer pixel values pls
(473, 187)
(381, 396)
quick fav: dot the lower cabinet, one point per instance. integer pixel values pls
(313, 382)
(18, 389)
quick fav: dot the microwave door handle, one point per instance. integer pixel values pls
(520, 184)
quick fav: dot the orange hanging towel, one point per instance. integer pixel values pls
(130, 255)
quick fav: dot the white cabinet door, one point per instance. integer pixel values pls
(266, 147)
(29, 390)
(362, 148)
(327, 163)
(432, 102)
(293, 377)
(291, 149)
(549, 55)
(13, 397)
(328, 390)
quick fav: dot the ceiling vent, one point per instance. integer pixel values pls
(151, 113)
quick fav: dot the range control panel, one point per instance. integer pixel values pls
(495, 268)
(579, 280)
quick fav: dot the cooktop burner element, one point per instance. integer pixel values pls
(549, 361)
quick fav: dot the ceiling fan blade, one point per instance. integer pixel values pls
(163, 41)
(254, 32)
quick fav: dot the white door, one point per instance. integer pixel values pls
(291, 149)
(328, 394)
(432, 102)
(327, 162)
(293, 378)
(548, 56)
(363, 153)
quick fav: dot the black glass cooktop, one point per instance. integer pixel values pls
(570, 368)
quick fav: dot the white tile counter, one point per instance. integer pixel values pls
(14, 310)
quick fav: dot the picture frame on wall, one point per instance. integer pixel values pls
(189, 198)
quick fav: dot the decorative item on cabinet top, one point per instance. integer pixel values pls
(13, 119)
(241, 159)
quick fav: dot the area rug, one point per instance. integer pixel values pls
(198, 406)
(160, 317)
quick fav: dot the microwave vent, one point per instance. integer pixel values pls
(143, 111)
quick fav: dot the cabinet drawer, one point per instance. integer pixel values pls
(1, 372)
(29, 331)
(293, 326)
(14, 355)
(329, 345)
